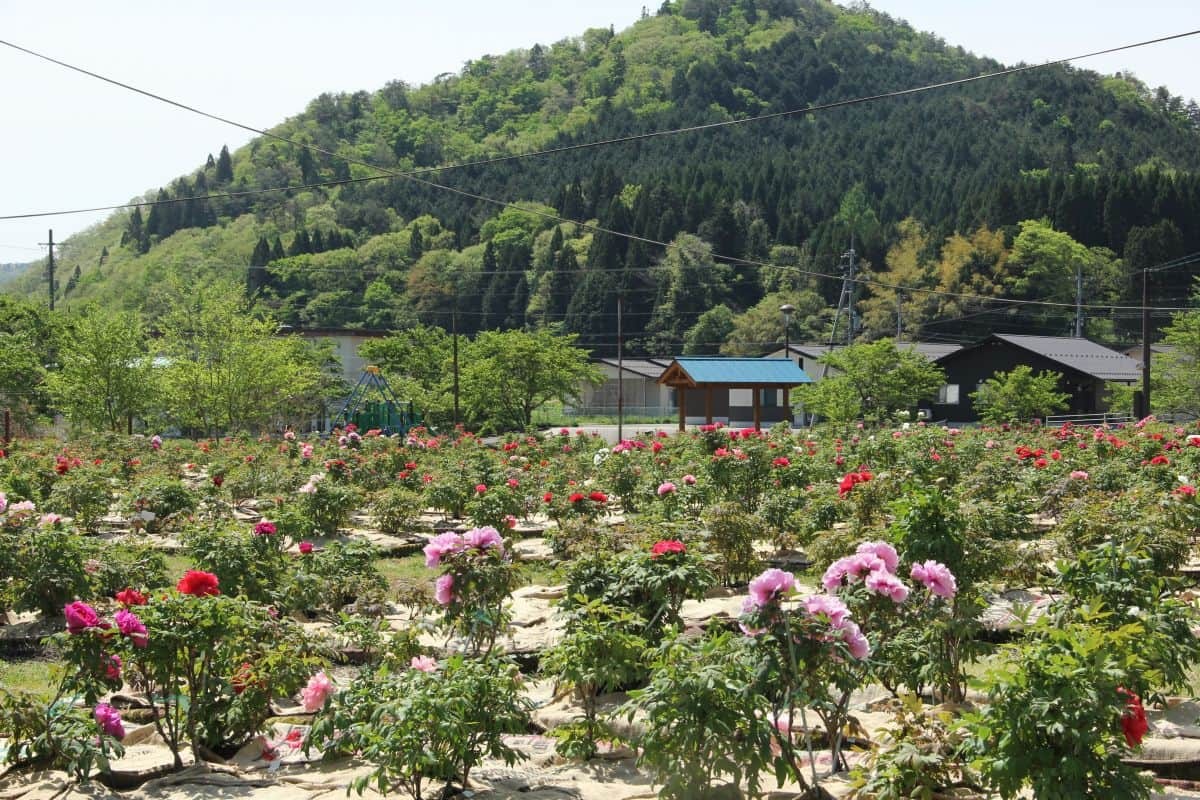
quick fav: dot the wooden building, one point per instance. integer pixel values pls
(739, 391)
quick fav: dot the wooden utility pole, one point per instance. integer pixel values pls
(620, 373)
(50, 266)
(1144, 411)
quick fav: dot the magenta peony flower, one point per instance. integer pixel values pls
(883, 551)
(443, 589)
(306, 547)
(318, 690)
(888, 585)
(129, 625)
(80, 616)
(264, 528)
(112, 666)
(109, 720)
(828, 606)
(770, 586)
(442, 545)
(936, 577)
(483, 538)
(424, 663)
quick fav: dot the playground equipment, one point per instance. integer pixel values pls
(373, 406)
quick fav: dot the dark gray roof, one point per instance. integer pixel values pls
(931, 350)
(1079, 354)
(644, 367)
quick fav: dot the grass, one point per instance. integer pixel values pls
(38, 677)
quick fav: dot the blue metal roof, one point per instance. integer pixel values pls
(742, 370)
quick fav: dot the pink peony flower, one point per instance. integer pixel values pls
(443, 589)
(156, 441)
(882, 550)
(888, 585)
(481, 488)
(857, 643)
(423, 663)
(129, 625)
(441, 546)
(49, 520)
(483, 538)
(1079, 475)
(936, 577)
(665, 488)
(828, 606)
(109, 720)
(770, 585)
(318, 690)
(667, 546)
(80, 616)
(689, 480)
(3, 502)
(850, 569)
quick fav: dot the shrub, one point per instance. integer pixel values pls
(82, 494)
(704, 718)
(415, 726)
(161, 496)
(51, 570)
(395, 510)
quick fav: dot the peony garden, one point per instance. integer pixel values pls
(866, 612)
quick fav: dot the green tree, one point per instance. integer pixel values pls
(1019, 395)
(224, 166)
(760, 329)
(506, 376)
(1176, 380)
(29, 339)
(872, 381)
(227, 369)
(107, 376)
(708, 335)
(418, 363)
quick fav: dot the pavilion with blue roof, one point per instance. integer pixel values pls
(716, 379)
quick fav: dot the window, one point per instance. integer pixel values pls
(948, 395)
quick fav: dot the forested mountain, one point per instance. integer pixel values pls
(998, 188)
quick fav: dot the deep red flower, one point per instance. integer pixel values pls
(306, 547)
(665, 546)
(598, 497)
(548, 497)
(131, 597)
(1133, 719)
(781, 461)
(197, 583)
(217, 480)
(576, 497)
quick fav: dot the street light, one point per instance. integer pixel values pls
(787, 309)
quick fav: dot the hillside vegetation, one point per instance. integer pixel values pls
(999, 188)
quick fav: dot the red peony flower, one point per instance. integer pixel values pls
(576, 497)
(197, 583)
(481, 488)
(217, 480)
(306, 547)
(131, 597)
(665, 546)
(598, 497)
(1133, 719)
(548, 497)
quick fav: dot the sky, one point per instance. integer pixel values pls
(69, 141)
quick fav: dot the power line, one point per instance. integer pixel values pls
(414, 175)
(386, 173)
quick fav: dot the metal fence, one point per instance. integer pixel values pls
(1102, 418)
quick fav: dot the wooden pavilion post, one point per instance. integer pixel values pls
(757, 411)
(682, 408)
(708, 394)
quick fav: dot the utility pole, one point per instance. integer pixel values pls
(454, 346)
(1144, 411)
(899, 317)
(1079, 300)
(850, 303)
(50, 266)
(620, 372)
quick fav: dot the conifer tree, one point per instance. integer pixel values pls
(224, 166)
